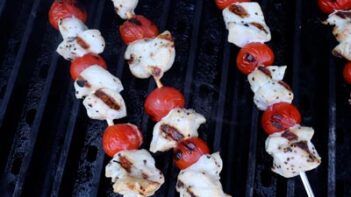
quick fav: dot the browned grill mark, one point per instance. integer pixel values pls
(303, 145)
(171, 132)
(81, 82)
(343, 14)
(82, 43)
(190, 192)
(155, 71)
(238, 10)
(107, 100)
(131, 60)
(145, 176)
(166, 36)
(125, 163)
(289, 135)
(249, 58)
(259, 26)
(135, 21)
(285, 85)
(180, 184)
(265, 71)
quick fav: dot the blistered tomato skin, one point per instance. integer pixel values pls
(188, 151)
(347, 73)
(280, 117)
(81, 63)
(61, 9)
(162, 100)
(137, 28)
(221, 4)
(253, 55)
(329, 6)
(121, 137)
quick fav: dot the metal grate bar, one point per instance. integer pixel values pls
(332, 126)
(19, 57)
(2, 5)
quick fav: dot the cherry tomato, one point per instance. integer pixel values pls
(81, 63)
(347, 73)
(221, 4)
(329, 6)
(253, 55)
(121, 137)
(280, 117)
(162, 100)
(138, 27)
(61, 9)
(188, 151)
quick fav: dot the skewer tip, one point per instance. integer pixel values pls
(306, 184)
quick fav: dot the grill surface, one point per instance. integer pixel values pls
(48, 146)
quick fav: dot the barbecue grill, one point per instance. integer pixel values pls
(49, 147)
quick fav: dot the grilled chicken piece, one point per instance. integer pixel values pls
(292, 151)
(268, 88)
(88, 41)
(93, 78)
(177, 125)
(151, 57)
(105, 104)
(245, 22)
(342, 31)
(125, 8)
(71, 27)
(202, 178)
(134, 174)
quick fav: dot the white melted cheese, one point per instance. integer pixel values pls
(125, 8)
(71, 27)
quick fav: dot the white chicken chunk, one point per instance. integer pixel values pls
(268, 88)
(125, 8)
(292, 151)
(134, 174)
(202, 178)
(179, 124)
(245, 23)
(341, 19)
(151, 57)
(93, 78)
(88, 41)
(105, 104)
(71, 27)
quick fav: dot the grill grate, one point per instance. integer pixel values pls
(49, 147)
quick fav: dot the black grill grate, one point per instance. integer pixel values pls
(48, 146)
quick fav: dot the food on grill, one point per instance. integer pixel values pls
(161, 101)
(329, 6)
(136, 28)
(245, 23)
(269, 89)
(61, 9)
(253, 55)
(125, 8)
(105, 104)
(151, 57)
(88, 41)
(292, 151)
(342, 32)
(81, 63)
(189, 151)
(71, 27)
(221, 4)
(202, 178)
(94, 78)
(347, 72)
(179, 124)
(280, 117)
(133, 173)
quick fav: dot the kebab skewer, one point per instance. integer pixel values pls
(133, 172)
(288, 143)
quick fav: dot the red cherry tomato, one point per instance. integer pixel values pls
(347, 73)
(188, 151)
(137, 28)
(121, 137)
(81, 63)
(61, 9)
(221, 4)
(253, 55)
(162, 100)
(280, 117)
(329, 6)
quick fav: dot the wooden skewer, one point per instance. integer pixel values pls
(306, 184)
(110, 122)
(158, 82)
